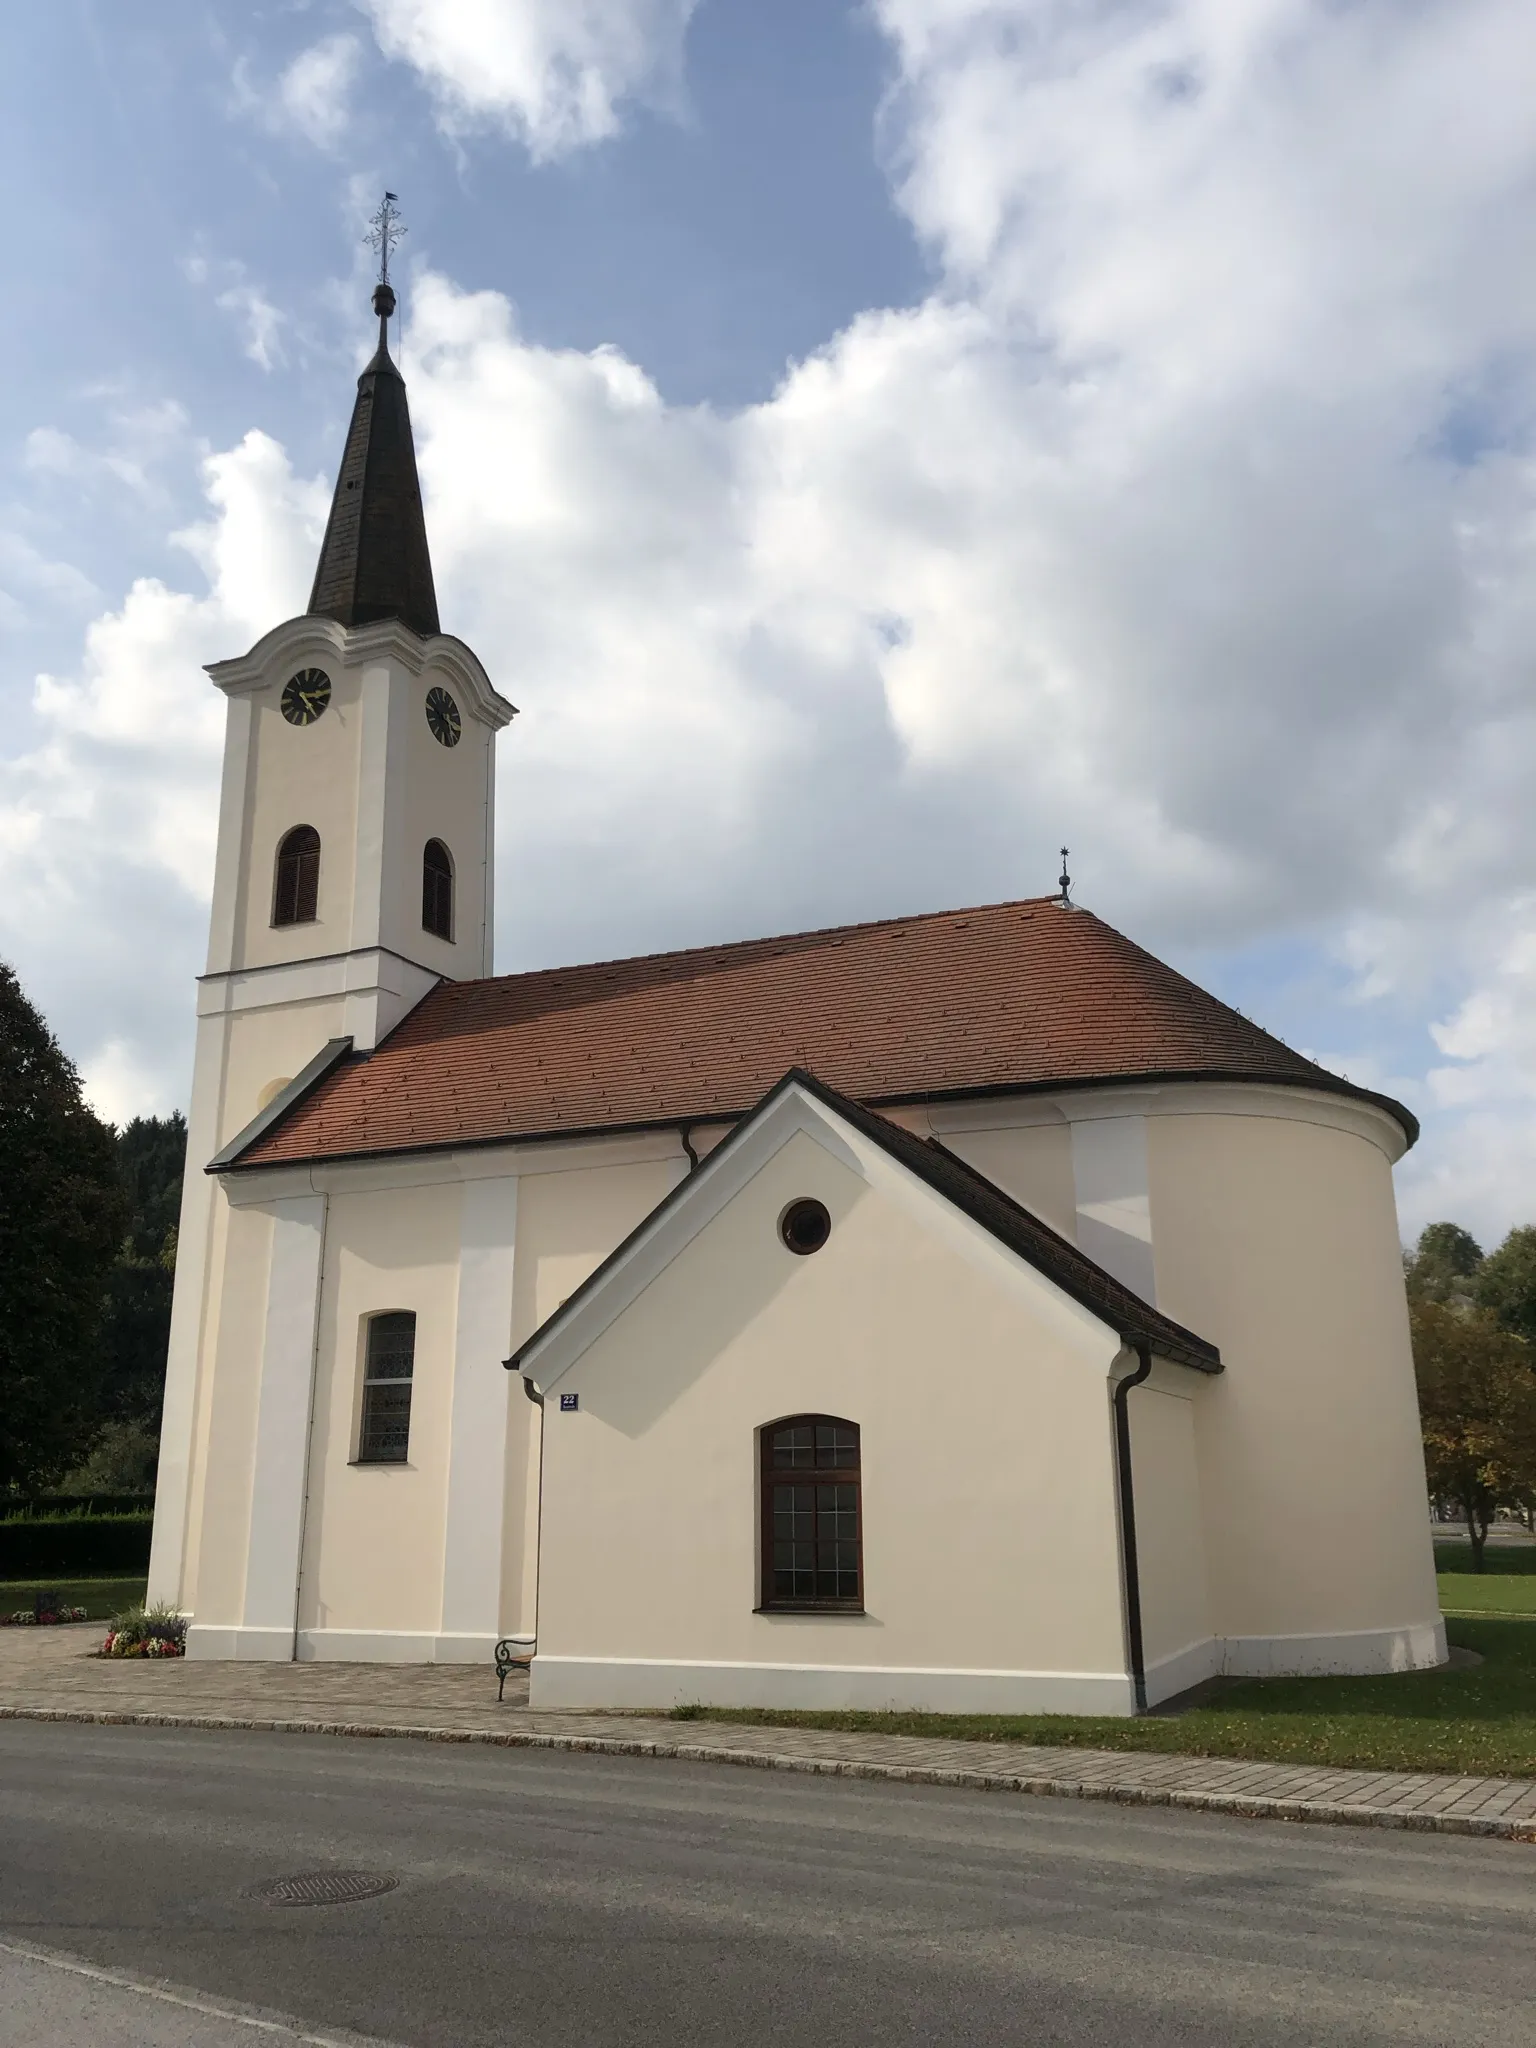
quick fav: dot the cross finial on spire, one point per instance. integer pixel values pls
(1066, 882)
(384, 231)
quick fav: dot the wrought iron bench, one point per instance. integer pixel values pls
(511, 1655)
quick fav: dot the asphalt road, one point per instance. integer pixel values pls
(546, 1898)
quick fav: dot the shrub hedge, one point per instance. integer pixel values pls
(71, 1546)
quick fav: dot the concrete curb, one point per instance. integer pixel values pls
(1241, 1806)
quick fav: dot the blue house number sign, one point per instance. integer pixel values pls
(569, 1403)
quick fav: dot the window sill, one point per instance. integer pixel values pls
(381, 1464)
(843, 1607)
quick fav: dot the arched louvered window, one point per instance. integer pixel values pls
(296, 897)
(813, 1537)
(437, 890)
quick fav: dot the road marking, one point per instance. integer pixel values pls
(193, 2001)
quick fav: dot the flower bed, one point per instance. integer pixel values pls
(117, 1645)
(41, 1617)
(147, 1632)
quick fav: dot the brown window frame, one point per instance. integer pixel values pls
(437, 892)
(376, 1329)
(772, 1478)
(296, 877)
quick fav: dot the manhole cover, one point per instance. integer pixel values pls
(323, 1888)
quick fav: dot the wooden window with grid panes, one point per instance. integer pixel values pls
(812, 1536)
(385, 1435)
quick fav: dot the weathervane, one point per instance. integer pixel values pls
(1066, 882)
(384, 231)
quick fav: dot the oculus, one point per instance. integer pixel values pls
(443, 717)
(305, 696)
(805, 1226)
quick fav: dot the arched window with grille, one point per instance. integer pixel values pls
(389, 1363)
(296, 894)
(812, 1536)
(437, 890)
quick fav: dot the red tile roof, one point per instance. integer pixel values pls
(1009, 997)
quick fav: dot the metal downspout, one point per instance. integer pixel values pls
(1129, 1566)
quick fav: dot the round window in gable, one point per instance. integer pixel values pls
(805, 1226)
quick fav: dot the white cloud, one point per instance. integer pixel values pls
(261, 320)
(28, 577)
(136, 444)
(106, 825)
(1193, 521)
(314, 93)
(553, 72)
(311, 98)
(120, 1084)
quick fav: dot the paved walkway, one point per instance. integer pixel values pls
(51, 1674)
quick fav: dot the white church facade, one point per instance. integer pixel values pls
(960, 1312)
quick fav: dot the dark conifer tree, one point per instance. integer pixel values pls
(152, 1154)
(62, 1218)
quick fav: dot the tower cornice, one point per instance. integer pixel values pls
(310, 638)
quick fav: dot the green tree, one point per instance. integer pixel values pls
(152, 1153)
(62, 1217)
(1506, 1282)
(152, 1156)
(1443, 1265)
(1477, 1405)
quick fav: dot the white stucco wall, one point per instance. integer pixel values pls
(434, 1559)
(225, 1419)
(1277, 1238)
(1032, 1163)
(1176, 1622)
(568, 1223)
(981, 1397)
(373, 1541)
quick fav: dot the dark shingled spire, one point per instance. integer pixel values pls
(374, 563)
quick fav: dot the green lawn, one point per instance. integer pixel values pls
(1506, 1584)
(1481, 1720)
(1507, 1560)
(101, 1598)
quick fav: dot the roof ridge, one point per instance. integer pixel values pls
(823, 931)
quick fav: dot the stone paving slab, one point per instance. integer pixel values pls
(53, 1675)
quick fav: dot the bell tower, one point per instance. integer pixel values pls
(356, 818)
(355, 847)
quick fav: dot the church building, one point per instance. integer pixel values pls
(959, 1311)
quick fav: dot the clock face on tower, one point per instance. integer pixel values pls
(443, 717)
(305, 696)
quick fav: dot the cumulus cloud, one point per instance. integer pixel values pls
(259, 318)
(1192, 520)
(311, 98)
(132, 451)
(553, 72)
(107, 824)
(314, 92)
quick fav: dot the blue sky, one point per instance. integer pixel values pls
(872, 442)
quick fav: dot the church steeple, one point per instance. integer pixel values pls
(374, 562)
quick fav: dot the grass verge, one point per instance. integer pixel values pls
(101, 1598)
(1505, 1586)
(1478, 1721)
